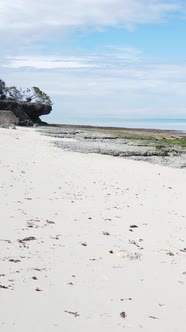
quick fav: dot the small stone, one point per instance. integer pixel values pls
(3, 287)
(123, 314)
(153, 317)
(106, 233)
(14, 260)
(38, 290)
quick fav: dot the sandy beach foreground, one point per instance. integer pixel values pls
(89, 242)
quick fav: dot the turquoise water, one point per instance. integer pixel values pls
(172, 124)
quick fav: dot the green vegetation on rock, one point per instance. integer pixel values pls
(33, 94)
(181, 142)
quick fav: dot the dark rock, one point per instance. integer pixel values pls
(106, 233)
(123, 314)
(14, 260)
(84, 244)
(4, 287)
(27, 113)
(38, 289)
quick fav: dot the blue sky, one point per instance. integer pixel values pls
(98, 59)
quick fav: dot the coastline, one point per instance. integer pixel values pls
(121, 128)
(164, 147)
(88, 241)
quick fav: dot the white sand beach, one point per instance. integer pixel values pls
(89, 242)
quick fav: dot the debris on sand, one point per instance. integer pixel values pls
(72, 313)
(30, 238)
(26, 239)
(38, 290)
(123, 314)
(14, 260)
(3, 287)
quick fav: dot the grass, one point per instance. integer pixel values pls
(180, 142)
(160, 147)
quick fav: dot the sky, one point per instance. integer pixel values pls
(98, 59)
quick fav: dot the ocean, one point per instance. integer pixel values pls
(160, 123)
(172, 124)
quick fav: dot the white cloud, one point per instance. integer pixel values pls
(124, 64)
(114, 57)
(118, 77)
(48, 62)
(143, 90)
(32, 14)
(116, 80)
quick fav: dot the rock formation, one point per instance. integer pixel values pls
(27, 113)
(8, 118)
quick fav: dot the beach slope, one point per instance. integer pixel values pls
(89, 242)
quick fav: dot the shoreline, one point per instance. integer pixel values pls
(88, 242)
(126, 129)
(163, 147)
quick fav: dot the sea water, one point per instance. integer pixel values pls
(150, 123)
(172, 124)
